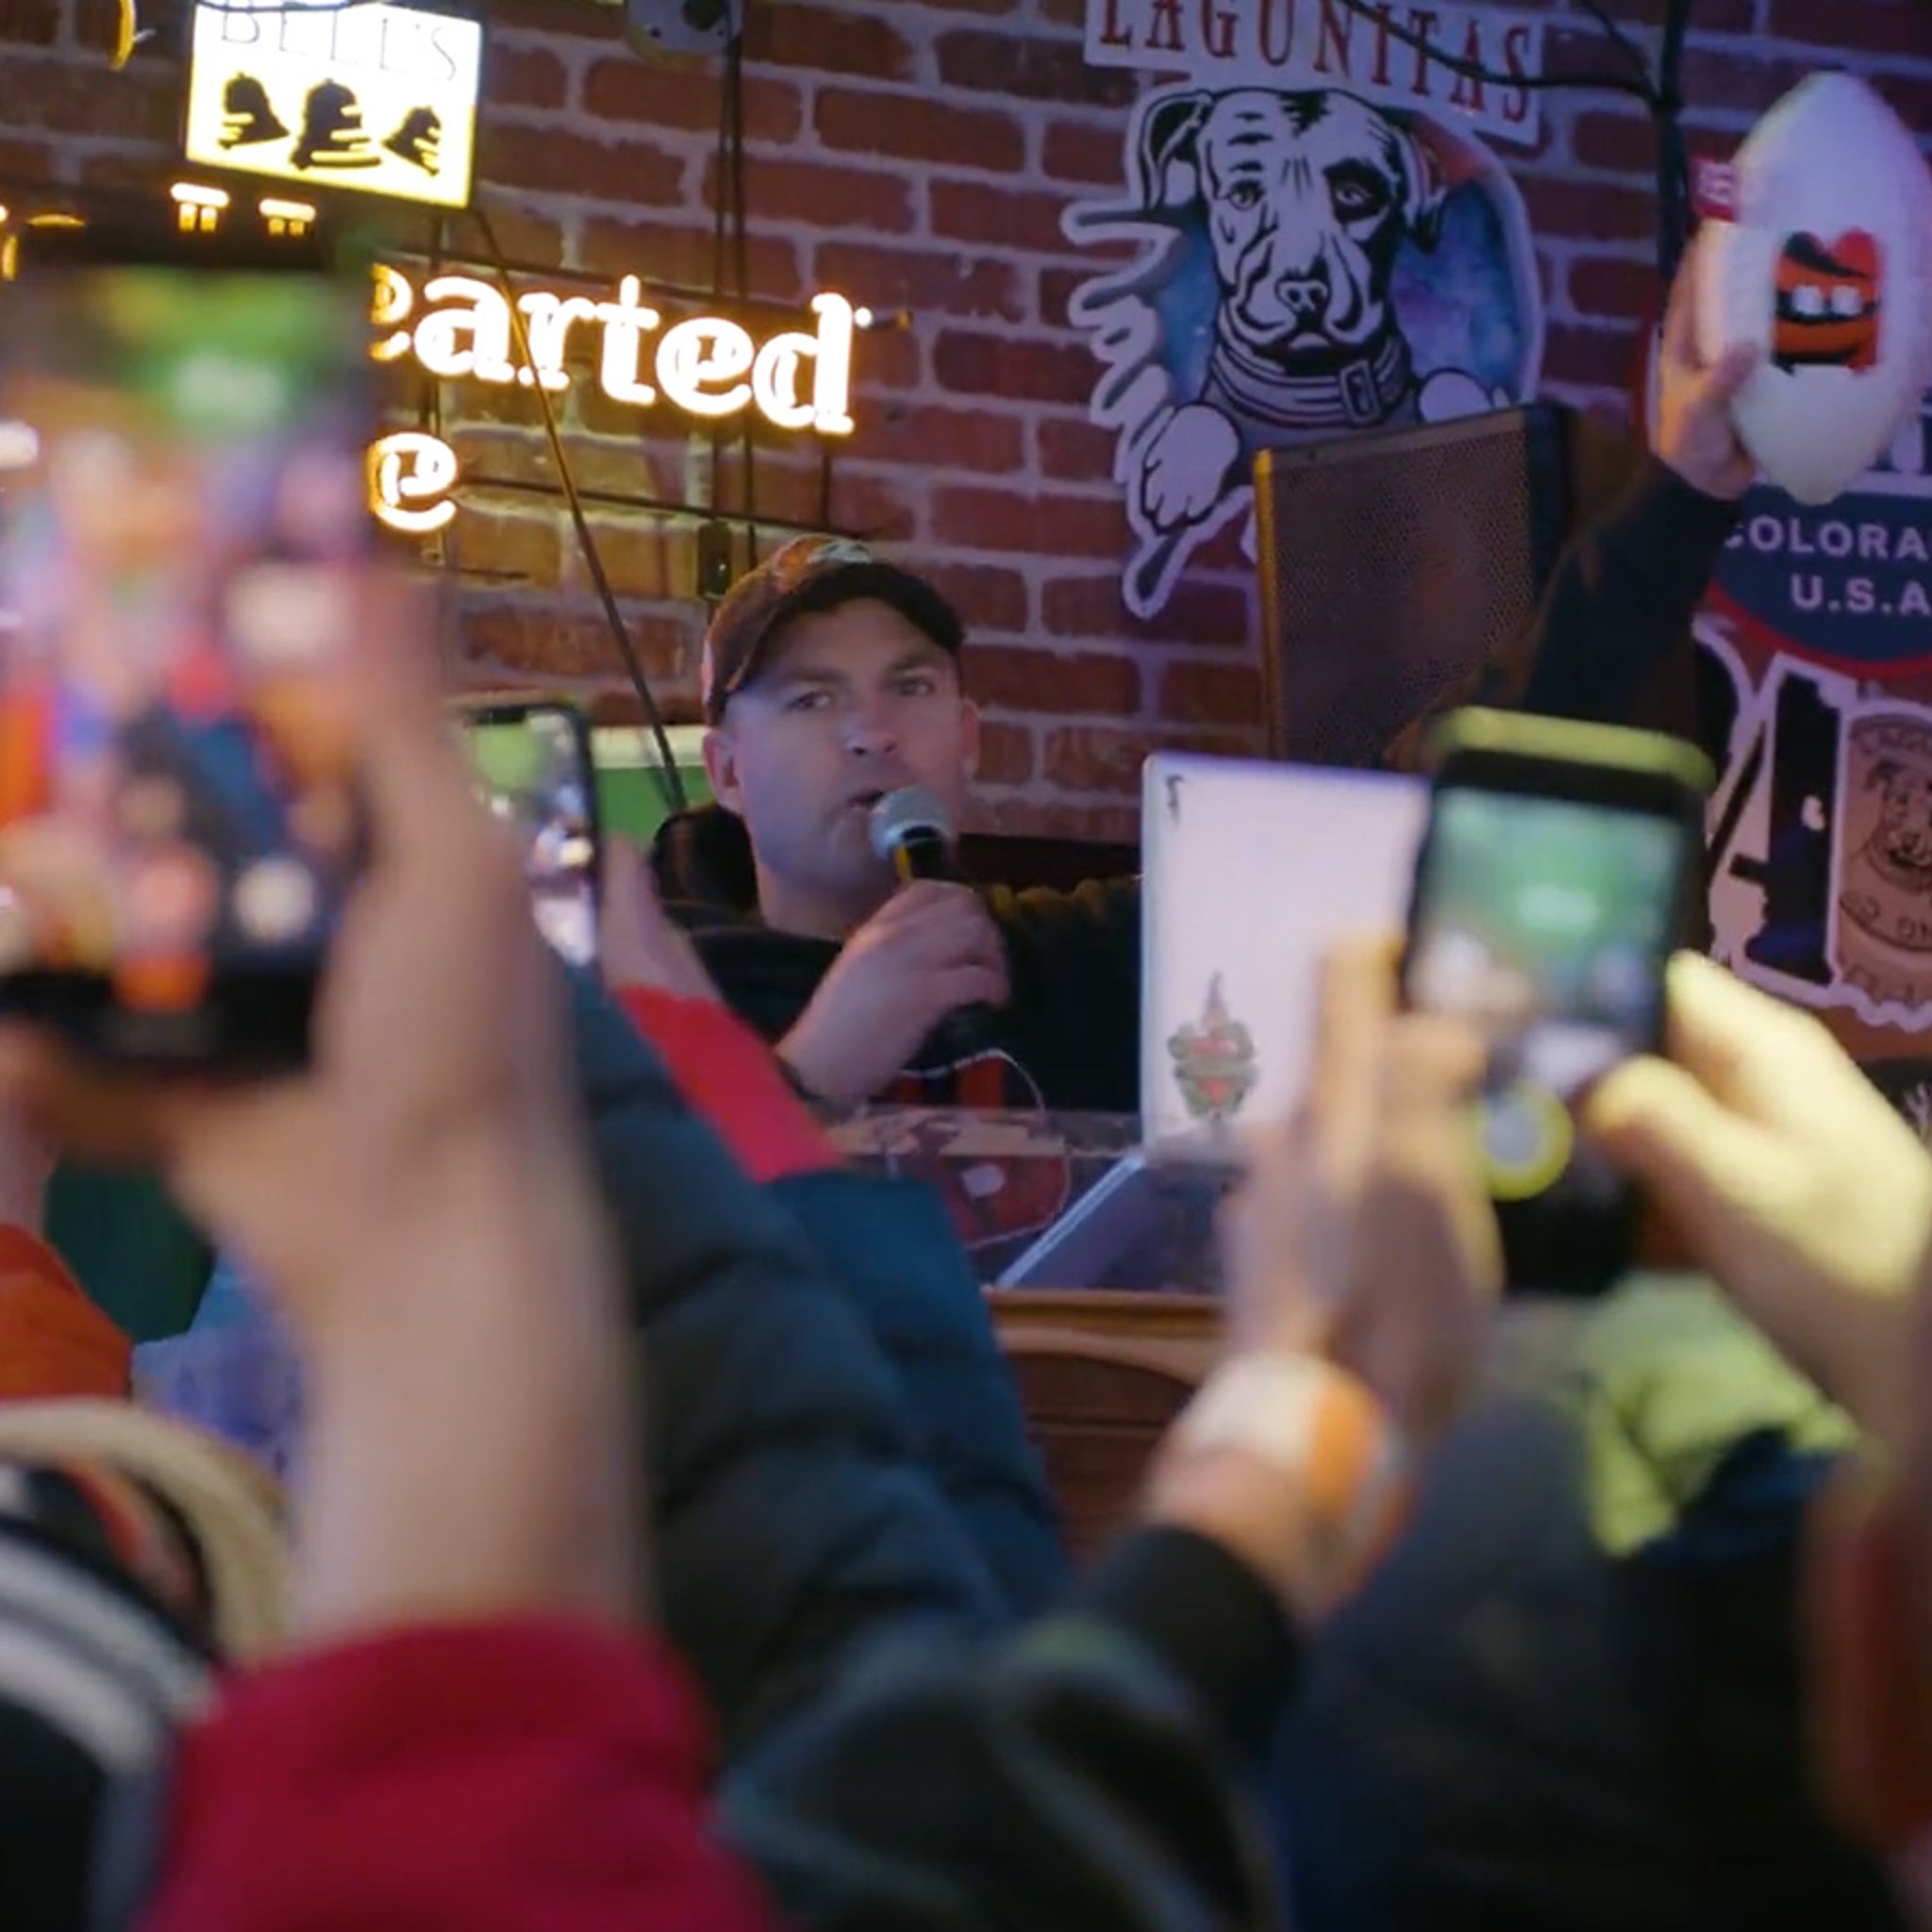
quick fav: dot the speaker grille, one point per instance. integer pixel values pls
(1394, 565)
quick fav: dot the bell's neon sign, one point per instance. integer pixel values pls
(708, 368)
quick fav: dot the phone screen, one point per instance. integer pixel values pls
(180, 568)
(1548, 921)
(537, 778)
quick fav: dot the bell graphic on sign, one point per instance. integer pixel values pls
(247, 116)
(332, 136)
(419, 139)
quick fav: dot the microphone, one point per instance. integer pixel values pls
(911, 832)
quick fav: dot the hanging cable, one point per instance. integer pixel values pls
(669, 779)
(1659, 93)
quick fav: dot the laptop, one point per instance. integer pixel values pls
(1251, 872)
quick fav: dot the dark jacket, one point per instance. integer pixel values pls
(899, 1264)
(1092, 1770)
(793, 1523)
(1611, 626)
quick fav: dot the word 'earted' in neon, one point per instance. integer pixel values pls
(708, 367)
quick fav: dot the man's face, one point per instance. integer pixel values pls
(848, 705)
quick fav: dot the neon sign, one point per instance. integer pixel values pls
(708, 368)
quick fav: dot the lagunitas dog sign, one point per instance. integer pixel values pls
(1311, 262)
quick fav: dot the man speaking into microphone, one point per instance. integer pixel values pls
(822, 890)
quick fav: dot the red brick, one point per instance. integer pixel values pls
(524, 76)
(888, 361)
(1578, 211)
(1084, 151)
(1100, 758)
(1033, 815)
(527, 241)
(1196, 692)
(623, 87)
(987, 597)
(680, 256)
(558, 161)
(864, 502)
(142, 103)
(1871, 27)
(1591, 358)
(929, 436)
(1006, 217)
(1736, 77)
(1198, 611)
(1609, 285)
(795, 34)
(779, 189)
(542, 641)
(559, 22)
(1620, 143)
(871, 504)
(518, 546)
(1076, 451)
(1030, 70)
(1013, 368)
(1057, 288)
(916, 129)
(924, 281)
(31, 23)
(643, 557)
(1005, 753)
(975, 516)
(1067, 684)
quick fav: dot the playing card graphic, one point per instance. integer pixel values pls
(1214, 1061)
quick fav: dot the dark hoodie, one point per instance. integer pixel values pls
(1613, 617)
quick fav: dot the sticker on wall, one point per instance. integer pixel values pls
(1309, 263)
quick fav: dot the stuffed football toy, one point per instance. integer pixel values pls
(1825, 265)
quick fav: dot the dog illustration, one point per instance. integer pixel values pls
(1306, 199)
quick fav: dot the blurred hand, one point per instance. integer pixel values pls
(419, 1203)
(1696, 435)
(637, 944)
(1363, 1232)
(1363, 1235)
(930, 949)
(1788, 1176)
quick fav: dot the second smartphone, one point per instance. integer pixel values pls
(1561, 866)
(534, 766)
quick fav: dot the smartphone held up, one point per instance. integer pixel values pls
(182, 562)
(1561, 866)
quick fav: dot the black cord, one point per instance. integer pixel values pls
(669, 779)
(1658, 92)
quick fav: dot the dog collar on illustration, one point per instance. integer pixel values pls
(1356, 394)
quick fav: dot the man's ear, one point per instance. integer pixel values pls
(1867, 1679)
(721, 768)
(968, 735)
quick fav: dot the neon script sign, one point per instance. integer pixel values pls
(706, 368)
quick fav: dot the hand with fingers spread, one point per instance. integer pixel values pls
(1786, 1174)
(931, 949)
(419, 1203)
(1696, 435)
(1361, 1240)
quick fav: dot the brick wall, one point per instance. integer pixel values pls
(916, 154)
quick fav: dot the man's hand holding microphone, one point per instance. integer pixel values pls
(930, 953)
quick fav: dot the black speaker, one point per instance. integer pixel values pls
(1396, 563)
